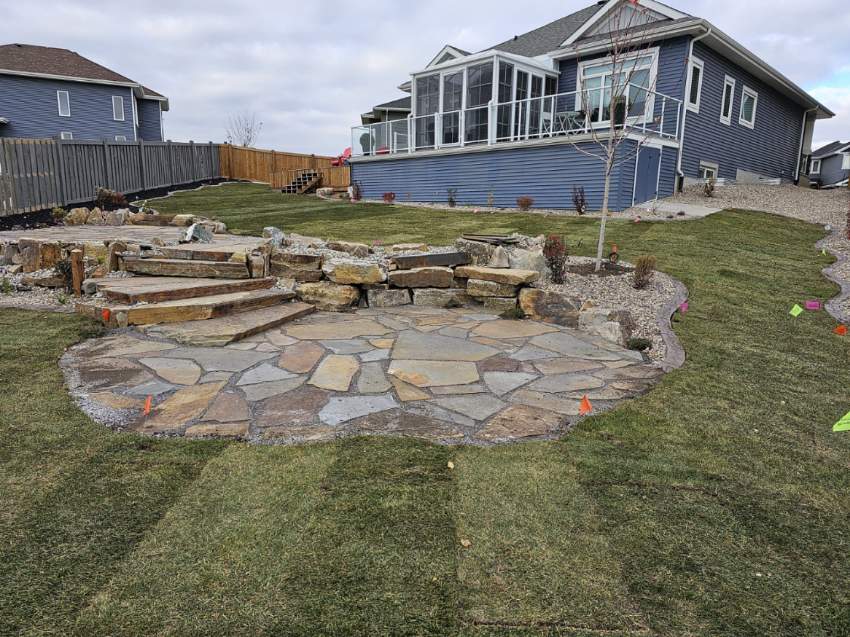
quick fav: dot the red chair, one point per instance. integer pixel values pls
(342, 160)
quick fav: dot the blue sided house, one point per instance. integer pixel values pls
(830, 166)
(50, 92)
(531, 116)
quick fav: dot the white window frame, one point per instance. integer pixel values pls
(694, 63)
(66, 135)
(754, 94)
(815, 169)
(708, 166)
(59, 103)
(117, 99)
(120, 138)
(653, 78)
(727, 82)
(845, 161)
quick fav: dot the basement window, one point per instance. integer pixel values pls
(815, 167)
(708, 170)
(66, 135)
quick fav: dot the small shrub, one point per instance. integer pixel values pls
(62, 299)
(639, 344)
(58, 214)
(63, 269)
(452, 192)
(579, 199)
(389, 198)
(644, 271)
(106, 199)
(524, 203)
(514, 314)
(556, 255)
(708, 188)
(5, 286)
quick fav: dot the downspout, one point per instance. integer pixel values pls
(802, 139)
(685, 103)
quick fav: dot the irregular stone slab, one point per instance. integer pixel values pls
(116, 401)
(459, 390)
(499, 259)
(219, 359)
(388, 298)
(606, 393)
(531, 353)
(279, 339)
(568, 345)
(354, 272)
(343, 409)
(297, 408)
(520, 421)
(550, 307)
(301, 267)
(265, 373)
(218, 430)
(123, 345)
(300, 358)
(477, 288)
(372, 379)
(216, 376)
(437, 259)
(183, 406)
(634, 372)
(566, 366)
(512, 329)
(177, 371)
(477, 406)
(499, 363)
(408, 247)
(228, 408)
(412, 345)
(455, 332)
(566, 383)
(382, 343)
(434, 373)
(452, 297)
(153, 388)
(479, 252)
(328, 296)
(431, 410)
(422, 278)
(359, 250)
(337, 331)
(501, 383)
(243, 346)
(408, 393)
(375, 355)
(104, 373)
(335, 373)
(266, 390)
(548, 402)
(498, 275)
(351, 346)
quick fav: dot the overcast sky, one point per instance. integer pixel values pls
(309, 69)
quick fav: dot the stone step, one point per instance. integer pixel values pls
(186, 268)
(229, 329)
(192, 252)
(156, 289)
(194, 309)
(508, 276)
(432, 259)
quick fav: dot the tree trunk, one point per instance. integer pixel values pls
(600, 247)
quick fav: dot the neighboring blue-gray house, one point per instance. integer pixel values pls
(49, 92)
(524, 117)
(830, 165)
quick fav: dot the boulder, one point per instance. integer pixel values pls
(359, 250)
(214, 227)
(422, 278)
(183, 221)
(529, 260)
(616, 326)
(301, 267)
(387, 298)
(499, 259)
(30, 253)
(44, 280)
(96, 218)
(329, 297)
(500, 305)
(477, 288)
(509, 276)
(550, 307)
(11, 255)
(274, 236)
(115, 248)
(433, 297)
(479, 252)
(116, 217)
(77, 216)
(96, 250)
(350, 272)
(299, 239)
(197, 233)
(50, 253)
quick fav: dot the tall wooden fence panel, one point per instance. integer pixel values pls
(272, 167)
(29, 176)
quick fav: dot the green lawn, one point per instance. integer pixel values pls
(718, 504)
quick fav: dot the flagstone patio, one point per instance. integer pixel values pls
(446, 375)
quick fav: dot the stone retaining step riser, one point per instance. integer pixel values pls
(183, 268)
(158, 290)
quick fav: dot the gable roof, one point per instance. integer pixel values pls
(401, 104)
(829, 150)
(548, 37)
(51, 62)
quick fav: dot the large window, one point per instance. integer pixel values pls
(118, 108)
(506, 96)
(695, 73)
(64, 102)
(427, 103)
(452, 105)
(479, 92)
(749, 105)
(728, 98)
(626, 87)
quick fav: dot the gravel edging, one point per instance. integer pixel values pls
(675, 355)
(834, 305)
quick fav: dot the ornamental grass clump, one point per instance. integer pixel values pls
(556, 255)
(524, 203)
(644, 271)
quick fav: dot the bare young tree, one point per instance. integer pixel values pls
(620, 107)
(243, 129)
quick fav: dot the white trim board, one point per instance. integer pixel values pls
(656, 7)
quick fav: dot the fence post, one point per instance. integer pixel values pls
(171, 162)
(142, 171)
(107, 169)
(60, 166)
(194, 161)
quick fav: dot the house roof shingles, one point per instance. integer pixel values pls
(828, 150)
(402, 104)
(47, 60)
(548, 37)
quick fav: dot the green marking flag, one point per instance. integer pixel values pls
(796, 311)
(823, 252)
(843, 424)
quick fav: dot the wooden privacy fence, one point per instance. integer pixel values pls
(279, 169)
(37, 174)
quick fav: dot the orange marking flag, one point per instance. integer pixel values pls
(841, 330)
(148, 405)
(586, 407)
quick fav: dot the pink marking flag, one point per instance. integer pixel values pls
(684, 307)
(813, 306)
